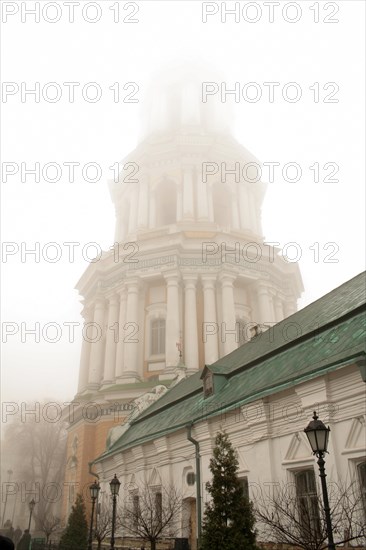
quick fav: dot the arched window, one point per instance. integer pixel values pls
(222, 205)
(166, 204)
(241, 328)
(157, 337)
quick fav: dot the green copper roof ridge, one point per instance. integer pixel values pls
(280, 386)
(260, 359)
(235, 404)
(136, 442)
(183, 397)
(291, 343)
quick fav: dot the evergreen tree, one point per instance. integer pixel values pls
(228, 522)
(75, 536)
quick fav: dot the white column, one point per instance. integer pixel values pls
(265, 314)
(132, 333)
(188, 197)
(253, 212)
(152, 209)
(245, 218)
(172, 333)
(132, 220)
(278, 309)
(97, 345)
(85, 352)
(118, 234)
(228, 326)
(190, 323)
(118, 230)
(143, 205)
(111, 340)
(210, 327)
(290, 307)
(271, 307)
(211, 211)
(179, 203)
(120, 359)
(234, 222)
(202, 199)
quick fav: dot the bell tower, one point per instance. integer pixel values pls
(190, 270)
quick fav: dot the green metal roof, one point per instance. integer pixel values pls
(333, 331)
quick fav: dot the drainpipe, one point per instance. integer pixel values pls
(198, 481)
(90, 465)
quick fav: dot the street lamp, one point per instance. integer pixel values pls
(31, 508)
(94, 490)
(114, 485)
(9, 472)
(318, 436)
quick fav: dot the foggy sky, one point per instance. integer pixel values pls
(305, 132)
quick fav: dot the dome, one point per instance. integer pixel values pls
(185, 98)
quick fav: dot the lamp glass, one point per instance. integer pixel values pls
(318, 435)
(115, 485)
(32, 505)
(311, 435)
(94, 490)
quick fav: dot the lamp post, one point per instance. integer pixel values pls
(318, 436)
(114, 485)
(94, 490)
(31, 508)
(9, 472)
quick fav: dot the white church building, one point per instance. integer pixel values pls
(263, 395)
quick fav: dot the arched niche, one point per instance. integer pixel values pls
(166, 203)
(221, 198)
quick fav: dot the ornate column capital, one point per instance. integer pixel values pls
(190, 280)
(209, 280)
(113, 299)
(172, 277)
(99, 302)
(133, 283)
(227, 279)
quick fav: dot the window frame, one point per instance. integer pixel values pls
(208, 384)
(244, 484)
(161, 349)
(361, 480)
(311, 500)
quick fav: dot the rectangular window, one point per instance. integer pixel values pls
(158, 506)
(208, 384)
(308, 503)
(158, 337)
(244, 486)
(361, 468)
(136, 510)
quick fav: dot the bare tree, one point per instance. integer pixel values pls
(152, 514)
(286, 518)
(103, 528)
(49, 525)
(36, 443)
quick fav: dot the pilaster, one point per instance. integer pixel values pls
(111, 340)
(228, 327)
(96, 345)
(190, 323)
(210, 326)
